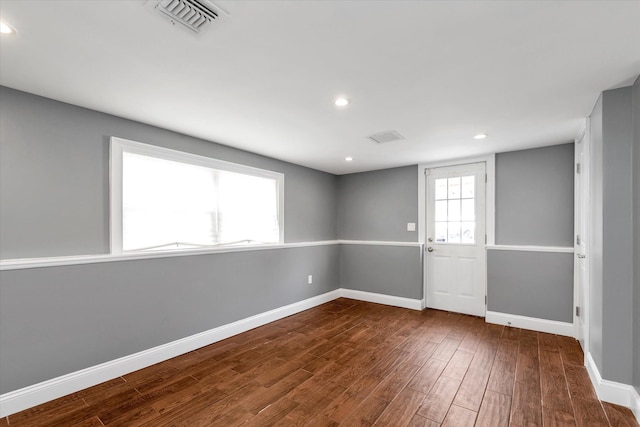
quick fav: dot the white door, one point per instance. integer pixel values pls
(581, 282)
(455, 247)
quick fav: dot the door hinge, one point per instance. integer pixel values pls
(485, 300)
(485, 239)
(578, 168)
(485, 178)
(577, 311)
(578, 240)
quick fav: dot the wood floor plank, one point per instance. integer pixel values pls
(471, 390)
(439, 399)
(484, 356)
(427, 375)
(393, 383)
(458, 365)
(555, 418)
(402, 409)
(367, 412)
(526, 406)
(579, 382)
(90, 422)
(619, 416)
(502, 377)
(446, 349)
(555, 393)
(494, 410)
(347, 402)
(459, 417)
(589, 413)
(418, 421)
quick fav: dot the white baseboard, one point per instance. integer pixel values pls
(36, 394)
(531, 323)
(611, 391)
(414, 304)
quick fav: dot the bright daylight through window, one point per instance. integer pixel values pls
(169, 200)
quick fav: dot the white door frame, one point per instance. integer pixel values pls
(490, 161)
(581, 213)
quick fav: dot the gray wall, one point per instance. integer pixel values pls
(389, 270)
(58, 320)
(54, 169)
(596, 236)
(54, 201)
(534, 206)
(636, 227)
(378, 205)
(533, 284)
(534, 196)
(612, 255)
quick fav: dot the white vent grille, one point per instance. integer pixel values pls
(386, 136)
(193, 14)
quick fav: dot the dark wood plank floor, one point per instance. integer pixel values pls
(352, 363)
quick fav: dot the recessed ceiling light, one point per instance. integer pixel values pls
(348, 159)
(480, 136)
(5, 28)
(341, 102)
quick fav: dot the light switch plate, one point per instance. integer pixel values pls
(411, 226)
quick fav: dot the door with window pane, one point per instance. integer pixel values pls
(455, 247)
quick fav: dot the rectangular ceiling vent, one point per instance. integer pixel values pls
(196, 15)
(386, 136)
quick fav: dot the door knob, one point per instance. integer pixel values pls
(430, 249)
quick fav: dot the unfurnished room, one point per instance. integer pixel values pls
(319, 213)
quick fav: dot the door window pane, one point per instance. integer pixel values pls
(467, 211)
(441, 189)
(454, 210)
(455, 206)
(453, 235)
(468, 232)
(468, 187)
(441, 210)
(454, 188)
(441, 232)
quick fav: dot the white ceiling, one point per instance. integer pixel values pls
(264, 79)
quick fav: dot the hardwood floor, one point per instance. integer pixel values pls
(351, 363)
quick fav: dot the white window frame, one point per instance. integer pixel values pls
(118, 146)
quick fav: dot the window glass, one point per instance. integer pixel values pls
(455, 209)
(192, 202)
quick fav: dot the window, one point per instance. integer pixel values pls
(164, 200)
(455, 209)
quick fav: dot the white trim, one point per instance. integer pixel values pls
(611, 391)
(531, 323)
(524, 248)
(24, 263)
(413, 304)
(36, 394)
(378, 243)
(17, 264)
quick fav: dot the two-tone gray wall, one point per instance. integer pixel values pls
(54, 169)
(534, 207)
(612, 237)
(636, 233)
(376, 207)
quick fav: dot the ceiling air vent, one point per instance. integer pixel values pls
(195, 15)
(386, 136)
